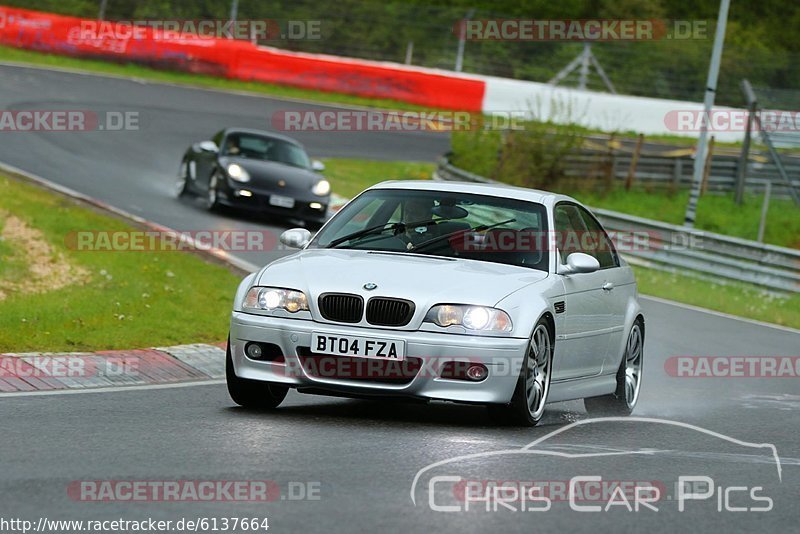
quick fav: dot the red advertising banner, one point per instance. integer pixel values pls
(237, 59)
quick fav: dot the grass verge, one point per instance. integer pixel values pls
(743, 300)
(715, 213)
(349, 177)
(122, 300)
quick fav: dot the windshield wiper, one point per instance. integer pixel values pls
(372, 230)
(480, 228)
(396, 228)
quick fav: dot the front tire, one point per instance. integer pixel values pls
(212, 195)
(533, 386)
(629, 379)
(252, 393)
(182, 185)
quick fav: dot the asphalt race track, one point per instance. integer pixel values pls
(136, 170)
(358, 459)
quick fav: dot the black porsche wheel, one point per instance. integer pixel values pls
(252, 393)
(182, 185)
(212, 196)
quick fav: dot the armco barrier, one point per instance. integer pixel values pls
(244, 61)
(673, 247)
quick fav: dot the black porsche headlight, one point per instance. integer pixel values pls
(321, 188)
(237, 172)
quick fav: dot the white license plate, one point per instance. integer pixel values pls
(283, 202)
(359, 347)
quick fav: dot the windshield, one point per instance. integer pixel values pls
(245, 145)
(458, 225)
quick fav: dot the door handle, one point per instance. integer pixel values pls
(608, 286)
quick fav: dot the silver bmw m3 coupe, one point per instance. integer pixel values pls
(475, 293)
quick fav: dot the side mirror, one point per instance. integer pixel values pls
(579, 263)
(317, 165)
(296, 237)
(209, 146)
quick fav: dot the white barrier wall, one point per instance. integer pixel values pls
(592, 109)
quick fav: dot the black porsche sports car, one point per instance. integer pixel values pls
(257, 171)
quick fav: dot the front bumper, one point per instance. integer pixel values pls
(501, 355)
(259, 203)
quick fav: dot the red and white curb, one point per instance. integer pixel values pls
(39, 371)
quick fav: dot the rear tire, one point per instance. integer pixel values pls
(533, 386)
(252, 393)
(629, 379)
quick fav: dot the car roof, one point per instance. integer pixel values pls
(490, 189)
(265, 133)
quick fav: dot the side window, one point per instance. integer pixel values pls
(570, 229)
(602, 247)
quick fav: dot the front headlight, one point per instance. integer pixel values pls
(272, 298)
(237, 172)
(321, 188)
(470, 317)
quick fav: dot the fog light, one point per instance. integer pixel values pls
(477, 372)
(253, 351)
(315, 206)
(245, 193)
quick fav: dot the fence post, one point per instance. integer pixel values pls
(764, 208)
(677, 174)
(234, 10)
(409, 52)
(462, 39)
(634, 163)
(741, 169)
(610, 164)
(707, 166)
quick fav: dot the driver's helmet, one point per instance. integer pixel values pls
(232, 146)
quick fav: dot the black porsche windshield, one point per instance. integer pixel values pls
(252, 146)
(441, 223)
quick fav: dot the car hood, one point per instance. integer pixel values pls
(269, 175)
(425, 280)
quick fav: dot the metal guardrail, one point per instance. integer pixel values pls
(676, 172)
(677, 248)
